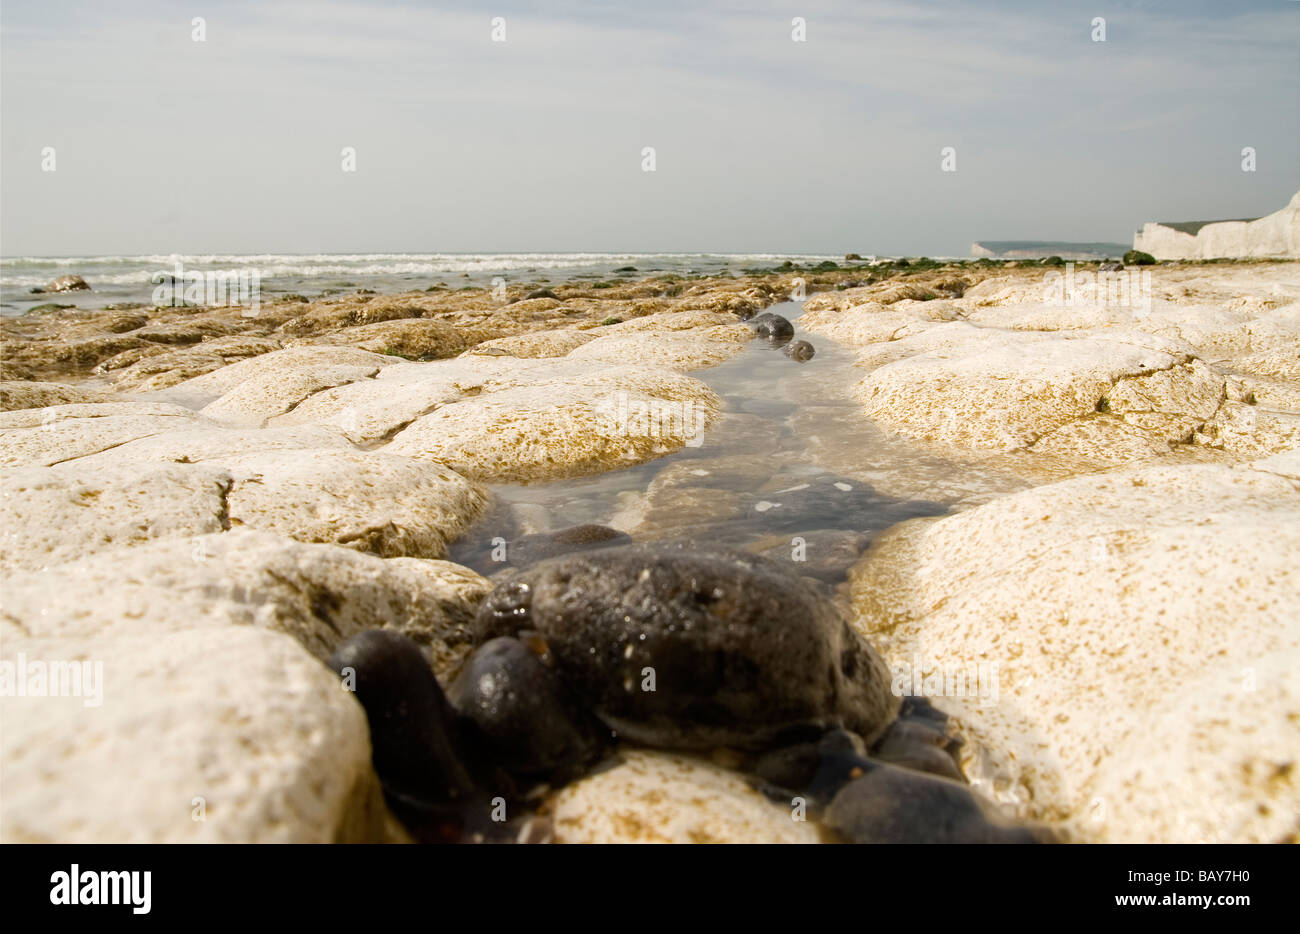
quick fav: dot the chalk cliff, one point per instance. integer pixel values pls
(1278, 234)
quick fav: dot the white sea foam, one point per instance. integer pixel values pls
(130, 272)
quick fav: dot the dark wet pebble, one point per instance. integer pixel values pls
(800, 351)
(738, 651)
(916, 707)
(772, 326)
(920, 744)
(889, 804)
(816, 769)
(541, 293)
(525, 721)
(413, 728)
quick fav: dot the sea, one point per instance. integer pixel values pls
(122, 279)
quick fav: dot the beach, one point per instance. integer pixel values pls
(1065, 516)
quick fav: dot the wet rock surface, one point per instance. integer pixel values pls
(814, 524)
(499, 554)
(888, 804)
(412, 726)
(519, 716)
(773, 327)
(738, 651)
(526, 720)
(799, 351)
(64, 284)
(906, 789)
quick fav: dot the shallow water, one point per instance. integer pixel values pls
(790, 468)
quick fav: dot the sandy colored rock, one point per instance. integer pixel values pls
(655, 797)
(269, 394)
(26, 394)
(1222, 332)
(372, 409)
(538, 344)
(319, 594)
(1004, 390)
(1281, 364)
(331, 317)
(412, 338)
(566, 426)
(1036, 316)
(159, 368)
(679, 350)
(214, 443)
(1203, 368)
(1251, 430)
(684, 320)
(872, 322)
(214, 736)
(194, 329)
(41, 437)
(291, 360)
(1143, 624)
(722, 301)
(50, 515)
(369, 410)
(378, 503)
(54, 358)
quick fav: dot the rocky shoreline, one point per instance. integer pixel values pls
(213, 505)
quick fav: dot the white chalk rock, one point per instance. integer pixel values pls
(1142, 622)
(207, 736)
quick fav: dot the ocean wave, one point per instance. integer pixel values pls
(200, 259)
(26, 271)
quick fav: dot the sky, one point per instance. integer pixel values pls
(762, 144)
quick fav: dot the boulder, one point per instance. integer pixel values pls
(65, 284)
(200, 736)
(685, 649)
(1143, 626)
(319, 594)
(378, 503)
(565, 426)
